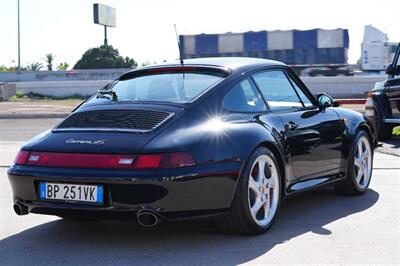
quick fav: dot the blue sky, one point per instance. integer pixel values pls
(145, 27)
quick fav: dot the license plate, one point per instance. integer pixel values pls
(71, 192)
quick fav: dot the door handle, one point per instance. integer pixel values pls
(291, 126)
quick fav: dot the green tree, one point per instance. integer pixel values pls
(34, 66)
(104, 56)
(3, 68)
(63, 66)
(49, 60)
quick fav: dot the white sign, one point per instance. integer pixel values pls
(104, 15)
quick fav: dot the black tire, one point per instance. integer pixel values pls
(239, 219)
(385, 132)
(349, 186)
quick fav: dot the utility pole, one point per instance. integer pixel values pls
(105, 35)
(19, 44)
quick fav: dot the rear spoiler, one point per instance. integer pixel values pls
(199, 69)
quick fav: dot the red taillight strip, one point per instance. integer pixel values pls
(21, 157)
(105, 161)
(78, 160)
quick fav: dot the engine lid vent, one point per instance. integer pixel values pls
(139, 120)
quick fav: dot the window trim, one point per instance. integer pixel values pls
(249, 78)
(291, 77)
(302, 102)
(302, 87)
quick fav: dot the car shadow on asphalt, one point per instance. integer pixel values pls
(190, 242)
(391, 147)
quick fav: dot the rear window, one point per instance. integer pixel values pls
(166, 87)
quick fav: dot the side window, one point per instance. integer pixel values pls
(277, 90)
(306, 101)
(244, 97)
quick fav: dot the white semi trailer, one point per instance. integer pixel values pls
(376, 50)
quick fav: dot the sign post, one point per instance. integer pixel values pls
(106, 16)
(19, 44)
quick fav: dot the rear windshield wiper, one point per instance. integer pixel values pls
(107, 94)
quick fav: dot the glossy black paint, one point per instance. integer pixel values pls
(312, 153)
(387, 99)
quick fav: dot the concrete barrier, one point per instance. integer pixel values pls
(62, 88)
(343, 87)
(72, 75)
(7, 90)
(337, 87)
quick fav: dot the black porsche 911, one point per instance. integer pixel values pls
(222, 137)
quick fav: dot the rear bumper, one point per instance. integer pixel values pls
(174, 194)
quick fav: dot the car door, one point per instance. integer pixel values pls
(313, 137)
(392, 89)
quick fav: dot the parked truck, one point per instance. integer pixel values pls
(383, 103)
(302, 49)
(315, 52)
(376, 50)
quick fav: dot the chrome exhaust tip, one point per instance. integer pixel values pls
(147, 218)
(20, 209)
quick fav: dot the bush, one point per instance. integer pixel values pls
(396, 131)
(104, 56)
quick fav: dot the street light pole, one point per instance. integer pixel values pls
(19, 44)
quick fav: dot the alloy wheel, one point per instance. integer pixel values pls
(363, 162)
(263, 190)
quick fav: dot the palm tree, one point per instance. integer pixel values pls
(34, 66)
(49, 61)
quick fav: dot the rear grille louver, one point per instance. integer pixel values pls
(125, 120)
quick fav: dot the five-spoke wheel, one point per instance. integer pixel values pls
(359, 166)
(258, 195)
(263, 190)
(363, 162)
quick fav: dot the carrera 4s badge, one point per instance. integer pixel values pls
(90, 142)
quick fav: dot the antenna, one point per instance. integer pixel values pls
(179, 46)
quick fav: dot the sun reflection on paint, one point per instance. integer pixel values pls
(215, 125)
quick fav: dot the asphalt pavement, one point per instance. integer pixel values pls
(317, 227)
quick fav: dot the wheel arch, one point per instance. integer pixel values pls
(369, 129)
(280, 160)
(277, 152)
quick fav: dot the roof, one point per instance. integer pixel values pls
(234, 64)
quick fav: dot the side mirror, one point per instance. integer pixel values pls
(324, 100)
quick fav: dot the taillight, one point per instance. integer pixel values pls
(165, 160)
(105, 161)
(78, 160)
(369, 105)
(21, 157)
